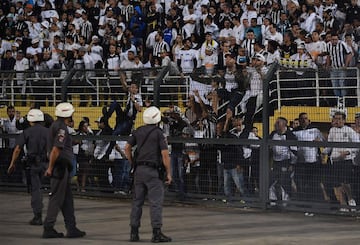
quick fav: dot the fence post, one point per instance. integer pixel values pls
(278, 90)
(317, 85)
(264, 149)
(157, 83)
(358, 86)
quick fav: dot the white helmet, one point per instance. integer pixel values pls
(35, 115)
(64, 109)
(152, 115)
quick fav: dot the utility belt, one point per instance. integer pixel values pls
(35, 160)
(149, 164)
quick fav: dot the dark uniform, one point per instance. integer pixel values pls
(146, 177)
(35, 139)
(61, 197)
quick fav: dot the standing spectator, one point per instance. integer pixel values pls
(189, 22)
(86, 151)
(8, 126)
(160, 45)
(273, 53)
(274, 34)
(233, 156)
(226, 32)
(339, 57)
(331, 24)
(138, 26)
(170, 33)
(7, 65)
(288, 48)
(284, 159)
(253, 97)
(100, 166)
(21, 65)
(187, 61)
(112, 64)
(342, 159)
(86, 27)
(308, 164)
(121, 168)
(317, 49)
(249, 43)
(191, 159)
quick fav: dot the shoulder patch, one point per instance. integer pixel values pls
(61, 135)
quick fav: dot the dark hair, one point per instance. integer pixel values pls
(340, 113)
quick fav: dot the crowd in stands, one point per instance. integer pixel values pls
(216, 37)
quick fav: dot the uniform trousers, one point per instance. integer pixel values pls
(147, 182)
(61, 197)
(36, 174)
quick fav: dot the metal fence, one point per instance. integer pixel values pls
(252, 182)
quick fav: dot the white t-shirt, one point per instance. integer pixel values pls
(186, 57)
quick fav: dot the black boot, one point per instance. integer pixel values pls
(74, 233)
(51, 233)
(158, 236)
(37, 220)
(134, 234)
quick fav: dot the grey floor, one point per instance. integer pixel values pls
(106, 222)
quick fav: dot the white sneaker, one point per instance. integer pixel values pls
(352, 203)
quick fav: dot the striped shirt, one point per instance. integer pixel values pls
(338, 53)
(159, 46)
(248, 44)
(275, 16)
(127, 12)
(86, 30)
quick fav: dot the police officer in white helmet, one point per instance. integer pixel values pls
(60, 159)
(152, 148)
(35, 140)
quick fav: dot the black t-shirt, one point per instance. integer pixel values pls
(155, 143)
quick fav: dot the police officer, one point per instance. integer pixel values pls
(60, 159)
(35, 139)
(150, 142)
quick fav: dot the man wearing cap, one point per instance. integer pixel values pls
(34, 49)
(60, 165)
(151, 148)
(35, 139)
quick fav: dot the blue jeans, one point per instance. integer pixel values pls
(121, 174)
(236, 176)
(177, 166)
(338, 80)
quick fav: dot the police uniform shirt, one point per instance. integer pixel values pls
(308, 154)
(35, 139)
(60, 137)
(150, 150)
